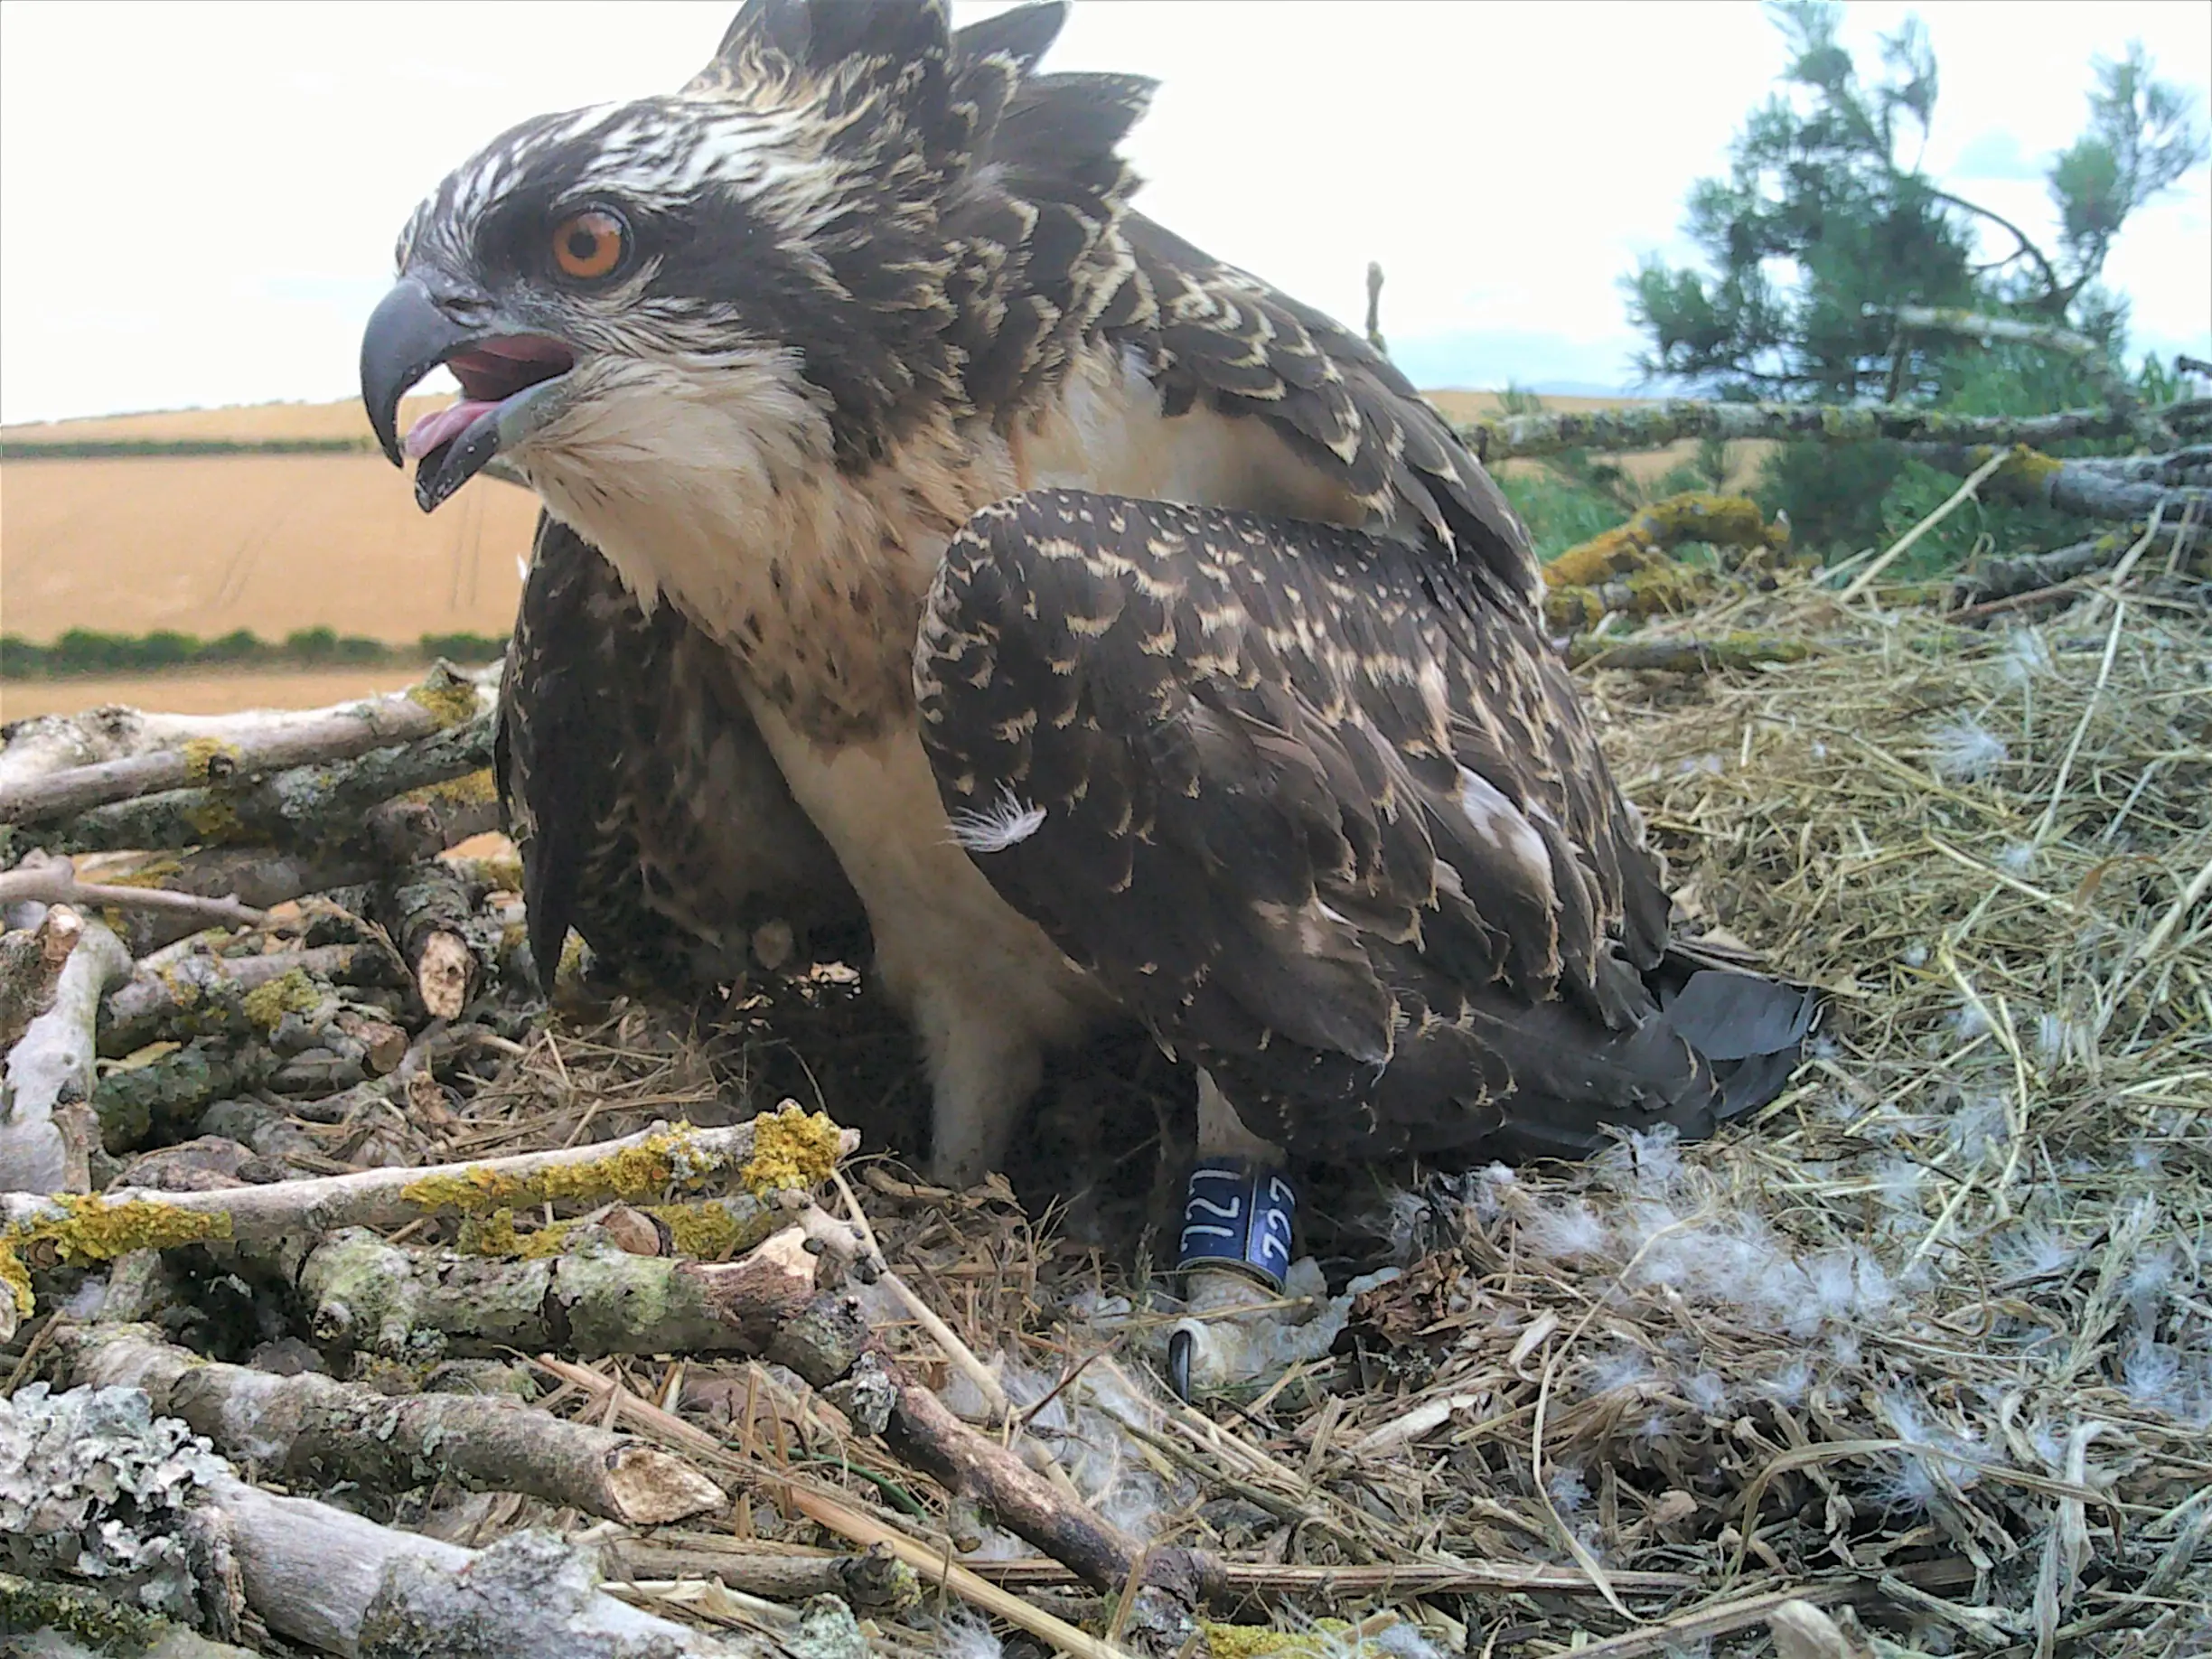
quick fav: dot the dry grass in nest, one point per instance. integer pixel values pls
(1933, 1335)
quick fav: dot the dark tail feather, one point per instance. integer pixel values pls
(1751, 1028)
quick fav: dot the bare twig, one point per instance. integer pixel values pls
(53, 884)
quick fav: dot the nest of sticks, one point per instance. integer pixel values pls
(1920, 1361)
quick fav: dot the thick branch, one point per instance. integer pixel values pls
(304, 807)
(364, 1294)
(2096, 362)
(2034, 573)
(30, 1606)
(208, 996)
(777, 1150)
(1655, 426)
(152, 1507)
(232, 749)
(427, 911)
(2134, 487)
(45, 745)
(345, 1585)
(312, 1429)
(31, 964)
(51, 1064)
(1627, 568)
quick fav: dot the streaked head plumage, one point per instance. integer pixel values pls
(817, 195)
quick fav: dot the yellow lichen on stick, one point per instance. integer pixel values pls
(1325, 1639)
(469, 789)
(790, 1148)
(451, 699)
(2025, 473)
(664, 1159)
(1695, 515)
(288, 993)
(90, 1229)
(208, 760)
(154, 873)
(707, 1230)
(1627, 568)
(714, 1229)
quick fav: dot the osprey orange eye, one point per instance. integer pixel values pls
(590, 244)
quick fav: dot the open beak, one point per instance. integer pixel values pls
(510, 384)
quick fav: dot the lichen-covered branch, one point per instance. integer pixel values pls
(1507, 437)
(44, 1614)
(1626, 570)
(157, 1516)
(362, 1293)
(45, 745)
(779, 1150)
(2130, 487)
(2094, 360)
(310, 1429)
(161, 1097)
(425, 821)
(235, 749)
(1997, 579)
(234, 996)
(315, 806)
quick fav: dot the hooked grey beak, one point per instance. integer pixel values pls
(508, 383)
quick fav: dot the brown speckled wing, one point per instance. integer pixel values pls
(1224, 335)
(1323, 814)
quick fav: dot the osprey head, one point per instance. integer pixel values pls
(662, 281)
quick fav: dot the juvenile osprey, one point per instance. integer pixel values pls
(1137, 639)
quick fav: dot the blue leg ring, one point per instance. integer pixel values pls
(1240, 1217)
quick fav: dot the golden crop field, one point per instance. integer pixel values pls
(206, 544)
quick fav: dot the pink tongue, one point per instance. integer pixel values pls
(434, 429)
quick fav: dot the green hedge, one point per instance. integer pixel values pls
(86, 650)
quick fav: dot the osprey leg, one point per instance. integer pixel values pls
(1240, 1218)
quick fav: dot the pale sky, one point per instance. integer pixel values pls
(198, 202)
